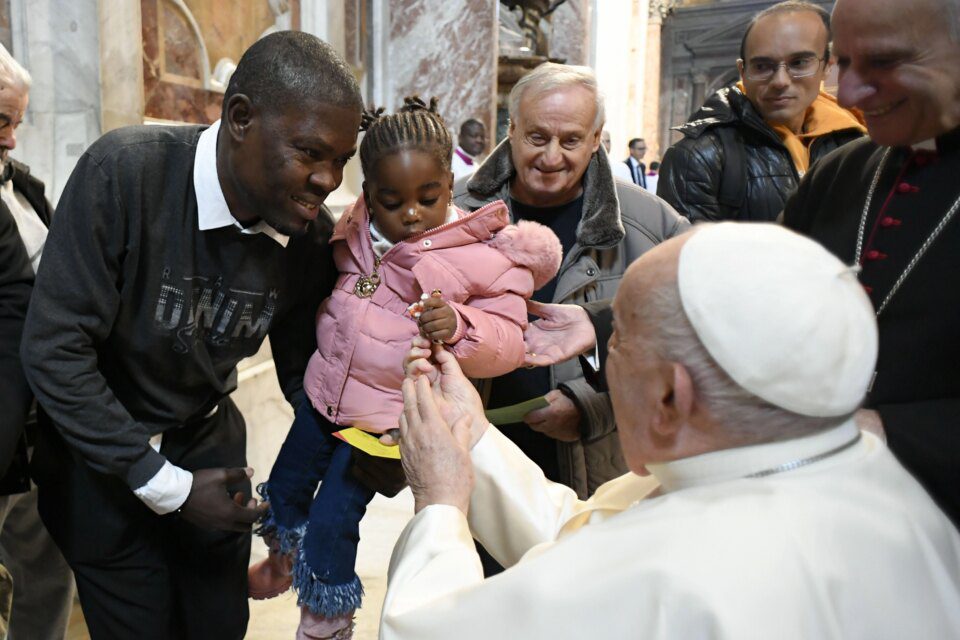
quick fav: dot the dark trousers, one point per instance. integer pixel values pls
(323, 524)
(140, 575)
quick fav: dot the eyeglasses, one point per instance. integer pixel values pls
(763, 70)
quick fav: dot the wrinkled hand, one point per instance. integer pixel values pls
(869, 420)
(560, 421)
(435, 456)
(562, 332)
(438, 320)
(453, 393)
(210, 505)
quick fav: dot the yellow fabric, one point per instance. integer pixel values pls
(368, 443)
(823, 117)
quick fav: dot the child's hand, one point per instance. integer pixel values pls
(437, 319)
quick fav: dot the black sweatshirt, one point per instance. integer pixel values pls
(138, 318)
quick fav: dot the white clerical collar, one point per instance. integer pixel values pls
(212, 209)
(929, 144)
(466, 157)
(759, 460)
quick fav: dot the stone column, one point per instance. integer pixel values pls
(658, 10)
(570, 32)
(619, 50)
(58, 43)
(121, 64)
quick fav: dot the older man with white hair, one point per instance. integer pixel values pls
(553, 170)
(755, 508)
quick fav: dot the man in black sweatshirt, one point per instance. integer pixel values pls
(175, 251)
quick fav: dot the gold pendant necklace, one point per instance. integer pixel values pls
(366, 285)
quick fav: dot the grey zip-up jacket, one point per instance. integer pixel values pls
(619, 223)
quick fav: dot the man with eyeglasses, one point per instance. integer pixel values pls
(746, 149)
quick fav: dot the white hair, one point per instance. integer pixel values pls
(745, 418)
(953, 19)
(550, 76)
(12, 73)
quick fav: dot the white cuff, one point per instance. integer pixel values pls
(167, 490)
(593, 359)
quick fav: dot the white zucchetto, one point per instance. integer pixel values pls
(786, 319)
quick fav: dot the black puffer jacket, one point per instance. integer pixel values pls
(692, 169)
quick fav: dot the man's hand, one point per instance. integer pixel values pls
(435, 457)
(453, 393)
(210, 505)
(561, 420)
(562, 332)
(438, 320)
(869, 420)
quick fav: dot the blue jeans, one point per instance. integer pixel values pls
(321, 525)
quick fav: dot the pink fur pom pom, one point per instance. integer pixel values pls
(532, 245)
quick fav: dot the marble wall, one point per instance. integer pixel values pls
(6, 35)
(444, 49)
(618, 58)
(570, 33)
(184, 42)
(58, 42)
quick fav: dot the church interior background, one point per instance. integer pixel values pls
(102, 64)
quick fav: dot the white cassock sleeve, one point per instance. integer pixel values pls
(436, 587)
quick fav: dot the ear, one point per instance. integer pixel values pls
(240, 116)
(740, 69)
(511, 128)
(672, 410)
(595, 143)
(683, 396)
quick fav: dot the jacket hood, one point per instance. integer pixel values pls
(527, 244)
(723, 107)
(600, 225)
(482, 224)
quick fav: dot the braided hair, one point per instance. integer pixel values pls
(417, 125)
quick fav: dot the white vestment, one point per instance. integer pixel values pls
(846, 546)
(620, 170)
(459, 166)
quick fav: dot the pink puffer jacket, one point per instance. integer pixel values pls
(485, 267)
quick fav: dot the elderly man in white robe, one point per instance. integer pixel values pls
(755, 508)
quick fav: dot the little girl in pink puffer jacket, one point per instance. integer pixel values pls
(402, 242)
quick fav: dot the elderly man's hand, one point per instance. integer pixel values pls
(454, 394)
(560, 420)
(435, 457)
(562, 332)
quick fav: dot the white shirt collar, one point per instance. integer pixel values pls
(731, 464)
(633, 161)
(212, 209)
(930, 144)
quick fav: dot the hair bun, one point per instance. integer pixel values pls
(370, 115)
(415, 103)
